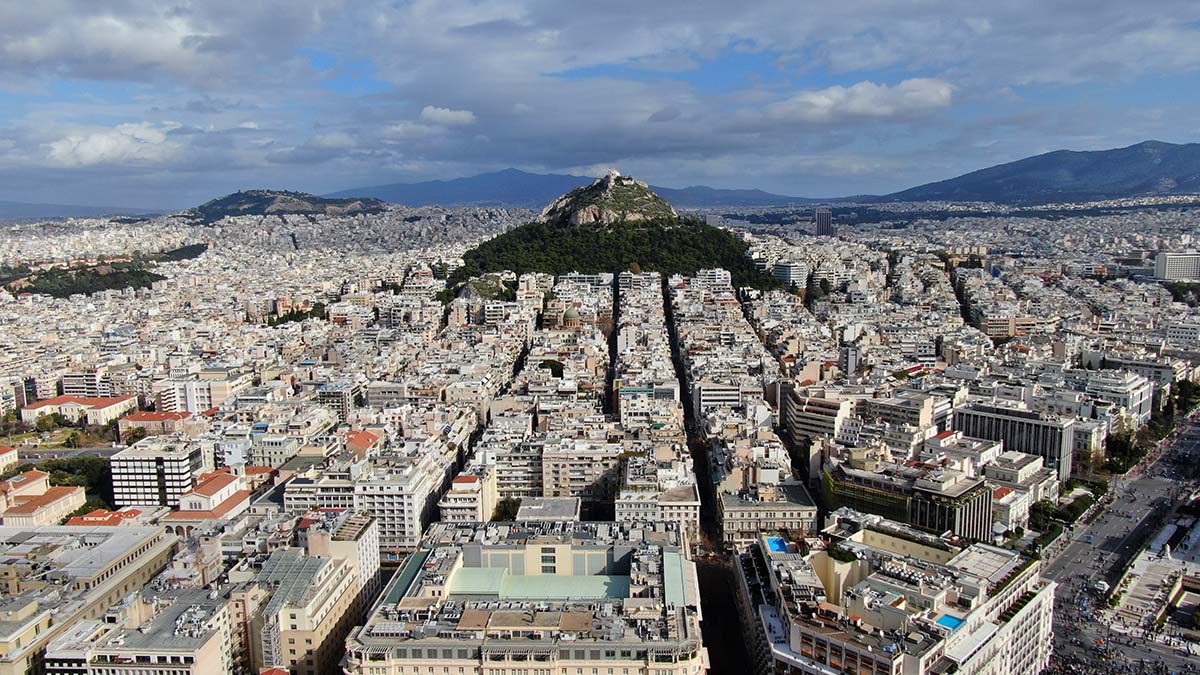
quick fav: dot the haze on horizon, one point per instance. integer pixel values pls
(167, 104)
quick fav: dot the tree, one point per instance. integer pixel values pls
(506, 509)
(45, 423)
(135, 434)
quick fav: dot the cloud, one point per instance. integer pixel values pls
(726, 94)
(446, 116)
(863, 100)
(142, 143)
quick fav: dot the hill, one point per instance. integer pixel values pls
(1146, 169)
(610, 199)
(610, 226)
(275, 202)
(515, 188)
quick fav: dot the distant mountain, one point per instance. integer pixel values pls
(275, 202)
(28, 211)
(512, 187)
(700, 196)
(1146, 169)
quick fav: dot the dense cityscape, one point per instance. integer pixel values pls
(961, 444)
(527, 337)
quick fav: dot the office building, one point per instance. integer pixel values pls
(823, 222)
(156, 471)
(544, 597)
(1175, 266)
(1050, 437)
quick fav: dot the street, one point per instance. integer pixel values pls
(1120, 527)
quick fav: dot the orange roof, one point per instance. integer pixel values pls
(466, 479)
(31, 504)
(150, 416)
(361, 439)
(256, 470)
(213, 514)
(5, 451)
(1001, 492)
(101, 402)
(212, 483)
(32, 474)
(944, 435)
(104, 517)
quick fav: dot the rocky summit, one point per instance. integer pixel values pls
(612, 198)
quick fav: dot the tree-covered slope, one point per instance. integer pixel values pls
(278, 202)
(670, 246)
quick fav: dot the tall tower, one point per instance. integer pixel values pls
(823, 218)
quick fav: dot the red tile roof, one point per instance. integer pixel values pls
(1001, 492)
(361, 439)
(944, 435)
(104, 517)
(101, 402)
(213, 514)
(22, 478)
(31, 504)
(466, 479)
(212, 483)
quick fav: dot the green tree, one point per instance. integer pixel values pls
(506, 509)
(135, 434)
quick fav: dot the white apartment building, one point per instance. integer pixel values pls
(1184, 265)
(156, 471)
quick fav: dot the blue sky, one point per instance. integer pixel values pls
(167, 104)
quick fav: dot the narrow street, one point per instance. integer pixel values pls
(721, 627)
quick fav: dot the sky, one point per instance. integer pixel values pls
(164, 105)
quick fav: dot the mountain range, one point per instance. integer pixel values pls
(1147, 169)
(516, 188)
(1150, 168)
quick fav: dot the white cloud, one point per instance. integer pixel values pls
(336, 140)
(446, 116)
(863, 100)
(409, 131)
(140, 143)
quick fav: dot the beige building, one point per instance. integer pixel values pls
(8, 458)
(94, 411)
(472, 497)
(52, 577)
(507, 599)
(303, 622)
(175, 633)
(47, 508)
(884, 598)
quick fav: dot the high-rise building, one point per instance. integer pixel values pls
(1177, 265)
(156, 471)
(823, 220)
(1048, 436)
